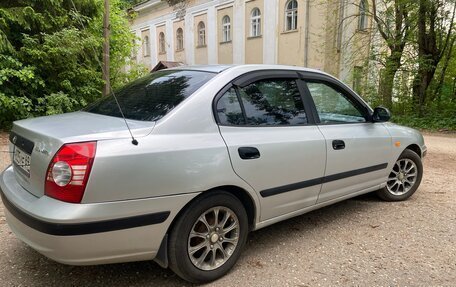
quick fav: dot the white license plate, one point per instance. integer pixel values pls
(22, 161)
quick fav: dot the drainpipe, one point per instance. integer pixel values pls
(340, 32)
(306, 44)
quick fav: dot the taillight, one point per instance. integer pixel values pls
(69, 171)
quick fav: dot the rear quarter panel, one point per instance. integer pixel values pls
(160, 165)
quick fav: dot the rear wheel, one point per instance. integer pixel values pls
(207, 239)
(404, 178)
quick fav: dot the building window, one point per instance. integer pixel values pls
(179, 39)
(255, 23)
(226, 29)
(362, 20)
(161, 43)
(134, 52)
(146, 46)
(291, 15)
(201, 34)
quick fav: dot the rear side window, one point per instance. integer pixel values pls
(229, 110)
(271, 102)
(153, 96)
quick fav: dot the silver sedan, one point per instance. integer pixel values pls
(180, 165)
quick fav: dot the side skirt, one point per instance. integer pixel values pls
(268, 222)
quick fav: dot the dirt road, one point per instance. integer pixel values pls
(362, 241)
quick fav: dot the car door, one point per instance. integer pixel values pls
(357, 149)
(273, 144)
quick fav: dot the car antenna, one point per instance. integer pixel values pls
(133, 140)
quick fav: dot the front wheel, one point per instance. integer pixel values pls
(404, 178)
(207, 238)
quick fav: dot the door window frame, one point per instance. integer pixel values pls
(301, 78)
(255, 76)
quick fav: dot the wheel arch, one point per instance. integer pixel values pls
(244, 197)
(416, 149)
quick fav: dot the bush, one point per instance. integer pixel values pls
(437, 122)
(50, 54)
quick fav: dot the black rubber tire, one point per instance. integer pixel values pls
(179, 260)
(385, 195)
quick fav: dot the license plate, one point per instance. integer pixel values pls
(22, 160)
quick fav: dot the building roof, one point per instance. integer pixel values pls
(166, 65)
(145, 4)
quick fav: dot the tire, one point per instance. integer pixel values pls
(404, 178)
(208, 238)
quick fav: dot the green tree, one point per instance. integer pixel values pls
(435, 28)
(50, 53)
(395, 25)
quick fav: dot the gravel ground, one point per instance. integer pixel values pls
(361, 241)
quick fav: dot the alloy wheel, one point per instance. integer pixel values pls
(213, 238)
(402, 177)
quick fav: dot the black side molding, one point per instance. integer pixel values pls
(71, 229)
(291, 187)
(320, 180)
(355, 172)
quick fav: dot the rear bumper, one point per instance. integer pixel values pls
(85, 234)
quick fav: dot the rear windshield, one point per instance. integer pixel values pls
(153, 96)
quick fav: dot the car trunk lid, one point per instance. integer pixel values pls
(34, 142)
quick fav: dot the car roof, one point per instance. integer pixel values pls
(204, 68)
(221, 68)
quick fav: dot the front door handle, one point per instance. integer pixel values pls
(249, 152)
(338, 144)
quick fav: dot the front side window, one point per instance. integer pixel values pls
(146, 46)
(201, 34)
(226, 29)
(334, 106)
(362, 20)
(153, 96)
(161, 43)
(291, 15)
(179, 39)
(255, 23)
(272, 102)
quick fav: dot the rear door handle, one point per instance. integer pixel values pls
(249, 152)
(338, 144)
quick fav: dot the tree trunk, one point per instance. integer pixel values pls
(421, 83)
(438, 89)
(106, 65)
(386, 86)
(432, 44)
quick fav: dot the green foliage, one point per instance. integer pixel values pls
(50, 55)
(433, 122)
(123, 77)
(12, 108)
(420, 85)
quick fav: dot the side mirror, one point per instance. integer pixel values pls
(381, 114)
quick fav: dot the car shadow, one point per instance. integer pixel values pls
(37, 270)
